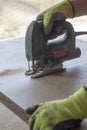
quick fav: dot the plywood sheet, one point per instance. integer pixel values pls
(24, 91)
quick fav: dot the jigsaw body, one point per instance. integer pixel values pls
(47, 52)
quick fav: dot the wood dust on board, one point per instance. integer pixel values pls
(11, 71)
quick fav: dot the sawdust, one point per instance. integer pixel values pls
(11, 71)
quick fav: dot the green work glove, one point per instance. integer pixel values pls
(65, 114)
(64, 7)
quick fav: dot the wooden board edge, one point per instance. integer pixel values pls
(16, 109)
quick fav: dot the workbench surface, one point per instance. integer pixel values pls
(25, 91)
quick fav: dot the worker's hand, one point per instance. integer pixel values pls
(64, 114)
(64, 7)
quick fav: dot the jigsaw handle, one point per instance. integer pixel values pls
(55, 18)
(57, 28)
(61, 29)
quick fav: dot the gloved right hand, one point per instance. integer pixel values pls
(65, 114)
(64, 7)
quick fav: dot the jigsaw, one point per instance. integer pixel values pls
(47, 50)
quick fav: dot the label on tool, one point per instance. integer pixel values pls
(60, 53)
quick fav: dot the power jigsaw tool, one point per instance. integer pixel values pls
(46, 52)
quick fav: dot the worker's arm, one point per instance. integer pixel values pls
(60, 114)
(80, 7)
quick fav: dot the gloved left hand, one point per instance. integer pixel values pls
(65, 114)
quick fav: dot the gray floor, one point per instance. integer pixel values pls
(9, 121)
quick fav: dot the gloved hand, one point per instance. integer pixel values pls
(64, 7)
(65, 114)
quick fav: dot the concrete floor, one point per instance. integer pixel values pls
(9, 121)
